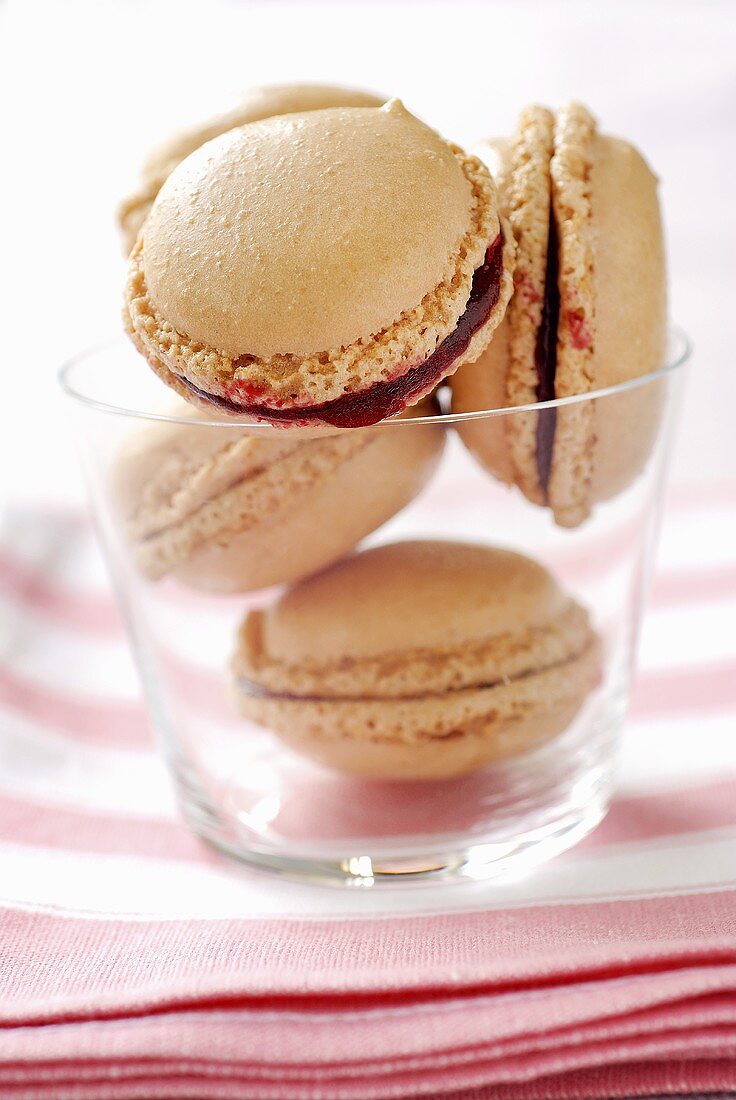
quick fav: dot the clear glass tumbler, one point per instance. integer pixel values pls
(370, 659)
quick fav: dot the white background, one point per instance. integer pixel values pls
(87, 88)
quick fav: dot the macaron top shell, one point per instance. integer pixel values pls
(412, 617)
(631, 286)
(275, 240)
(251, 106)
(305, 259)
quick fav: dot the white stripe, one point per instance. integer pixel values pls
(59, 656)
(121, 886)
(44, 767)
(670, 753)
(63, 547)
(689, 636)
(697, 538)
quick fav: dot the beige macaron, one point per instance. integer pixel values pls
(329, 267)
(251, 106)
(418, 660)
(588, 312)
(232, 509)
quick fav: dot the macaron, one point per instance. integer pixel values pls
(588, 312)
(329, 267)
(418, 660)
(251, 106)
(228, 509)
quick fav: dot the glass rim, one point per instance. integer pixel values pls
(678, 340)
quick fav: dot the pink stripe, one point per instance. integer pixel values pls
(404, 1032)
(594, 555)
(96, 612)
(231, 1040)
(91, 612)
(115, 722)
(675, 812)
(87, 610)
(710, 689)
(205, 690)
(696, 496)
(694, 586)
(35, 824)
(692, 1077)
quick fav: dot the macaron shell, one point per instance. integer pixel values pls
(274, 479)
(613, 290)
(527, 197)
(631, 314)
(506, 373)
(435, 737)
(441, 759)
(479, 386)
(545, 166)
(572, 173)
(482, 339)
(165, 472)
(406, 596)
(313, 529)
(401, 673)
(288, 217)
(251, 106)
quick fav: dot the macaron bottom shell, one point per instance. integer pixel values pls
(431, 737)
(387, 398)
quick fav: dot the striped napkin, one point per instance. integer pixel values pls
(136, 964)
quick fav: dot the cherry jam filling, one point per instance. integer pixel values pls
(545, 358)
(384, 399)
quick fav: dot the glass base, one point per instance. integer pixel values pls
(518, 842)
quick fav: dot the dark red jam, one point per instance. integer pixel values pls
(545, 358)
(580, 335)
(384, 399)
